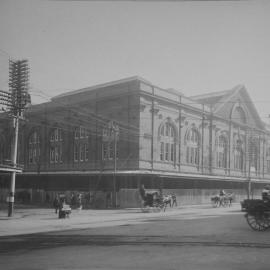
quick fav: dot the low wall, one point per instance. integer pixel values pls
(126, 198)
(92, 199)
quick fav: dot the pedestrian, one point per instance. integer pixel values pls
(56, 204)
(72, 200)
(79, 200)
(47, 198)
(108, 199)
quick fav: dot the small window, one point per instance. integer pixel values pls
(81, 148)
(167, 142)
(56, 142)
(34, 148)
(76, 152)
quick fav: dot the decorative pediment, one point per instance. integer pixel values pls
(234, 105)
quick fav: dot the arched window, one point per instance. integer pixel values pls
(56, 145)
(239, 115)
(81, 144)
(254, 153)
(34, 148)
(167, 142)
(192, 142)
(268, 159)
(238, 155)
(221, 152)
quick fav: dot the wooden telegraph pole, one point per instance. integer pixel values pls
(15, 100)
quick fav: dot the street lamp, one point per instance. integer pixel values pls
(251, 160)
(113, 129)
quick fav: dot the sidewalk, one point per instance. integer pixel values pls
(37, 220)
(25, 221)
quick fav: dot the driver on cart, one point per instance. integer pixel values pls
(222, 193)
(147, 197)
(266, 193)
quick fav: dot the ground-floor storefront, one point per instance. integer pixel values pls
(98, 188)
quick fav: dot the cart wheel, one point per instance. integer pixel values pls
(257, 222)
(264, 220)
(157, 207)
(225, 202)
(215, 203)
(144, 208)
(164, 207)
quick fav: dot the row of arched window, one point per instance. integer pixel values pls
(168, 139)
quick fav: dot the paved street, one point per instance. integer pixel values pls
(197, 237)
(27, 221)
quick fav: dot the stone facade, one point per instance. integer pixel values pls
(165, 139)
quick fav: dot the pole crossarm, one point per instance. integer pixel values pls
(18, 86)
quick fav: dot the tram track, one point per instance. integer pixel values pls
(43, 241)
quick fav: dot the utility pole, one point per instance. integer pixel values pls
(14, 151)
(250, 160)
(15, 100)
(115, 130)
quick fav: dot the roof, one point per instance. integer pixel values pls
(87, 89)
(213, 99)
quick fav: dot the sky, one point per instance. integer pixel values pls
(193, 46)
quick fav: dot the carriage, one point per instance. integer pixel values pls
(155, 200)
(152, 201)
(257, 213)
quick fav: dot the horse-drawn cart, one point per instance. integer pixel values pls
(155, 200)
(64, 211)
(257, 213)
(152, 202)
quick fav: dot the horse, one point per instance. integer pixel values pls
(225, 200)
(215, 200)
(229, 198)
(169, 199)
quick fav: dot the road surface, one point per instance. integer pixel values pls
(183, 238)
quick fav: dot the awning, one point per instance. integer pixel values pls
(155, 173)
(6, 168)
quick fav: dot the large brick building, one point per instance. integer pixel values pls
(165, 139)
